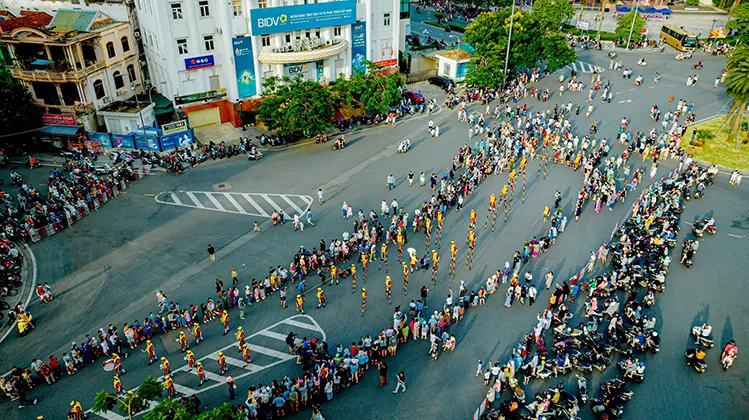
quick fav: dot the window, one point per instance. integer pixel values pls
(176, 11)
(131, 73)
(110, 50)
(99, 88)
(265, 40)
(317, 32)
(208, 41)
(287, 37)
(182, 46)
(236, 6)
(125, 44)
(262, 4)
(150, 40)
(337, 31)
(204, 10)
(308, 34)
(386, 19)
(118, 82)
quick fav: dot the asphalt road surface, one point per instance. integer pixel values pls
(108, 267)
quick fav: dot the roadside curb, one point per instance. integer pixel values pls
(26, 292)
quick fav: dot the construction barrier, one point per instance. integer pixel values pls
(74, 215)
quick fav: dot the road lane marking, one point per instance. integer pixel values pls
(271, 202)
(273, 334)
(294, 206)
(234, 203)
(735, 236)
(215, 202)
(150, 195)
(195, 200)
(253, 203)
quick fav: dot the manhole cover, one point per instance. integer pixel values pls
(222, 186)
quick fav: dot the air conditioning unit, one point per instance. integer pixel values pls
(329, 42)
(219, 31)
(136, 33)
(289, 48)
(105, 99)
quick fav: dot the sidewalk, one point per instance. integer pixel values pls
(25, 292)
(54, 160)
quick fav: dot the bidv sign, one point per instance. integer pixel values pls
(308, 71)
(272, 20)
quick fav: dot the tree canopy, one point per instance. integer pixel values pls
(531, 44)
(740, 20)
(18, 111)
(551, 14)
(375, 90)
(737, 87)
(132, 401)
(296, 106)
(624, 25)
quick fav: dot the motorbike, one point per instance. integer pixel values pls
(642, 63)
(404, 148)
(202, 157)
(702, 335)
(624, 366)
(582, 388)
(680, 57)
(698, 365)
(254, 154)
(697, 66)
(593, 127)
(700, 227)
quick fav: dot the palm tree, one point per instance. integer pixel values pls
(737, 87)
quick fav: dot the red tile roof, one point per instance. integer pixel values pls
(32, 20)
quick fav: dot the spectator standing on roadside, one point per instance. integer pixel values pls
(212, 252)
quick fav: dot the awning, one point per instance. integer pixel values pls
(40, 62)
(60, 130)
(162, 105)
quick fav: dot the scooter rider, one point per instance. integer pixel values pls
(729, 352)
(642, 62)
(699, 356)
(405, 145)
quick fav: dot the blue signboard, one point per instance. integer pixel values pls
(358, 47)
(103, 138)
(271, 20)
(125, 141)
(151, 143)
(244, 64)
(181, 139)
(194, 63)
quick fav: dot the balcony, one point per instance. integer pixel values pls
(55, 76)
(297, 53)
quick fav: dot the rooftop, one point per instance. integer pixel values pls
(33, 20)
(457, 54)
(129, 107)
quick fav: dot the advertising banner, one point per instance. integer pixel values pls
(103, 138)
(308, 71)
(358, 47)
(149, 143)
(171, 141)
(174, 127)
(202, 62)
(244, 64)
(59, 119)
(271, 20)
(123, 140)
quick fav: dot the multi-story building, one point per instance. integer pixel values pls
(212, 56)
(74, 62)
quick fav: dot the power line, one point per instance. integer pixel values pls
(21, 132)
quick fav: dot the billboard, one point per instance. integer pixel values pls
(103, 138)
(172, 141)
(123, 140)
(358, 47)
(59, 119)
(271, 20)
(244, 65)
(174, 127)
(202, 62)
(308, 71)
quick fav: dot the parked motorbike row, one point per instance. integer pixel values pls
(11, 261)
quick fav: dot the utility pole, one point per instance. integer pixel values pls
(509, 39)
(600, 22)
(634, 18)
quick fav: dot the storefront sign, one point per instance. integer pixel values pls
(358, 47)
(201, 62)
(244, 64)
(174, 127)
(582, 25)
(308, 71)
(202, 96)
(59, 119)
(271, 20)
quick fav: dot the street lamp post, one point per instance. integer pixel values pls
(137, 103)
(634, 18)
(509, 39)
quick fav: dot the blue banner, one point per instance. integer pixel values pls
(271, 20)
(194, 63)
(358, 47)
(123, 140)
(182, 139)
(244, 64)
(103, 138)
(151, 143)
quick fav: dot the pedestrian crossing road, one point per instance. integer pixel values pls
(249, 204)
(583, 67)
(268, 348)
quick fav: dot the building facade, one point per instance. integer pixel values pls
(76, 63)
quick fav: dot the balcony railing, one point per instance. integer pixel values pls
(292, 54)
(56, 76)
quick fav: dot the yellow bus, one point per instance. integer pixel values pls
(678, 38)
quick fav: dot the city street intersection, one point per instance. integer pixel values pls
(108, 267)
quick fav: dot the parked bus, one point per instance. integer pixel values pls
(678, 38)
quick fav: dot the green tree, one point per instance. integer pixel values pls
(737, 87)
(296, 106)
(169, 409)
(551, 14)
(132, 401)
(18, 111)
(373, 89)
(501, 4)
(624, 25)
(530, 45)
(740, 21)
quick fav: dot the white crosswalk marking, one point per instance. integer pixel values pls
(584, 67)
(245, 204)
(214, 380)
